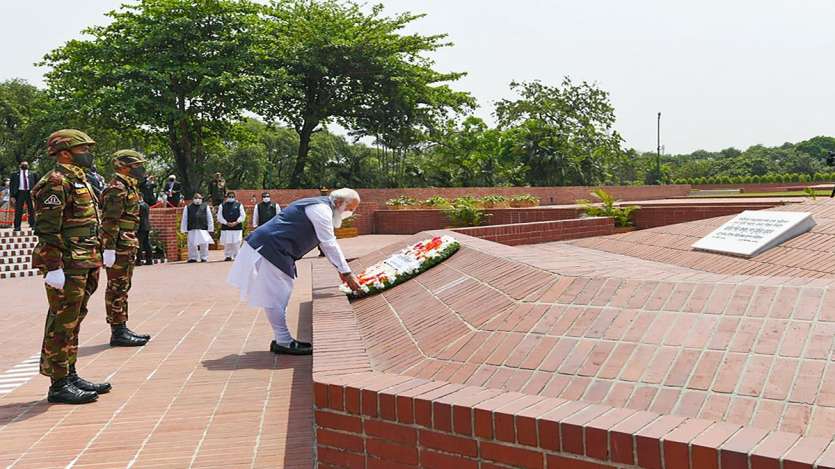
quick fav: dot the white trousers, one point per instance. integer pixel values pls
(231, 249)
(264, 285)
(194, 249)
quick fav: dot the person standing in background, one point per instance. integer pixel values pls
(217, 189)
(5, 197)
(264, 211)
(231, 216)
(96, 181)
(173, 191)
(20, 189)
(146, 253)
(149, 191)
(197, 222)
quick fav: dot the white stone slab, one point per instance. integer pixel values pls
(753, 232)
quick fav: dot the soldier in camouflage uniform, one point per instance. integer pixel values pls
(120, 220)
(68, 252)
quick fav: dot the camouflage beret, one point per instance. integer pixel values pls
(65, 139)
(124, 158)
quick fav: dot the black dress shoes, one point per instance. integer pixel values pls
(64, 391)
(120, 336)
(141, 336)
(84, 385)
(192, 261)
(294, 348)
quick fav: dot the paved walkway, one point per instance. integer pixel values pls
(205, 392)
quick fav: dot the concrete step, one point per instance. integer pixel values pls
(27, 245)
(7, 233)
(17, 239)
(15, 260)
(15, 252)
(15, 267)
(19, 273)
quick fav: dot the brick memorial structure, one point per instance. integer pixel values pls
(629, 350)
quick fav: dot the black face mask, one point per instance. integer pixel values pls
(138, 173)
(85, 160)
(24, 167)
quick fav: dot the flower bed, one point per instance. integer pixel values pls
(403, 265)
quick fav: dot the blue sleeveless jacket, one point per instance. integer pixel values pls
(288, 236)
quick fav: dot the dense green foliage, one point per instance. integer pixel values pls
(254, 89)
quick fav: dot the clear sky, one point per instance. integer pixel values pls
(722, 73)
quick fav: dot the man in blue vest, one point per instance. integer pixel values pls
(265, 268)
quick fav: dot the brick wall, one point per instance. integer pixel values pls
(662, 215)
(370, 419)
(543, 231)
(164, 222)
(547, 195)
(415, 221)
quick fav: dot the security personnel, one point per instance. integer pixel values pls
(69, 252)
(120, 220)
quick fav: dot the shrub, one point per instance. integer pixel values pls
(819, 177)
(494, 201)
(524, 200)
(607, 208)
(725, 179)
(465, 211)
(401, 202)
(756, 179)
(435, 201)
(810, 193)
(803, 178)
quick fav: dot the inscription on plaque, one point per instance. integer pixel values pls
(753, 232)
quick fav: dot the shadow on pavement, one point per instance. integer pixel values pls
(20, 411)
(87, 350)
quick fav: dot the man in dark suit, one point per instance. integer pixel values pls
(20, 189)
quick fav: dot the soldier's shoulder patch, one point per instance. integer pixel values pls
(78, 185)
(52, 200)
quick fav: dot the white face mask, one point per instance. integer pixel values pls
(197, 201)
(230, 199)
(266, 200)
(347, 214)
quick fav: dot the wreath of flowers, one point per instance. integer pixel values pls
(403, 265)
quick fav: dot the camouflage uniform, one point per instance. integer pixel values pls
(120, 219)
(68, 239)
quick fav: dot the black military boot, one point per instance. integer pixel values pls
(84, 385)
(63, 391)
(146, 337)
(120, 337)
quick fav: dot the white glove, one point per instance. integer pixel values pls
(109, 257)
(55, 279)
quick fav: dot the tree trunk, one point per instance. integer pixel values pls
(305, 134)
(179, 140)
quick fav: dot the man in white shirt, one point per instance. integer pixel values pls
(265, 268)
(231, 216)
(198, 223)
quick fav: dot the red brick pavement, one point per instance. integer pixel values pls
(205, 392)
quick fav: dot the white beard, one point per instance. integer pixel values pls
(337, 218)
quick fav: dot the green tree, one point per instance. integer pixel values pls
(565, 133)
(21, 136)
(183, 68)
(331, 61)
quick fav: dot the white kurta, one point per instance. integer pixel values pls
(197, 237)
(264, 285)
(230, 236)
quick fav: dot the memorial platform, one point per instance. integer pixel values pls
(621, 351)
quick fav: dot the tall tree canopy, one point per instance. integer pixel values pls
(565, 132)
(332, 61)
(183, 68)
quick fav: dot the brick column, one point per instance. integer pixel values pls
(164, 222)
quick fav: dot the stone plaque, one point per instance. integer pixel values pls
(753, 232)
